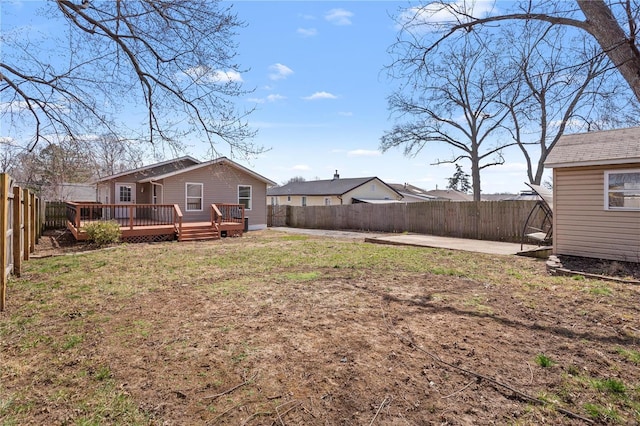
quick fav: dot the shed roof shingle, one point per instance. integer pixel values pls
(596, 148)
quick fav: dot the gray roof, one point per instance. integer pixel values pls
(157, 169)
(338, 186)
(408, 190)
(450, 194)
(176, 166)
(188, 168)
(619, 146)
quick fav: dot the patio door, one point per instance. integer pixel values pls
(125, 195)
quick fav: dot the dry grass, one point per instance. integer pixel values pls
(279, 329)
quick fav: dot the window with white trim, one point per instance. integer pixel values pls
(622, 189)
(244, 196)
(194, 193)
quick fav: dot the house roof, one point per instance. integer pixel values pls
(596, 148)
(166, 169)
(221, 160)
(450, 194)
(339, 186)
(408, 190)
(156, 169)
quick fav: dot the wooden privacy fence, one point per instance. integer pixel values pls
(20, 225)
(55, 215)
(483, 220)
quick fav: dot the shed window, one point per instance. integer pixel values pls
(194, 197)
(622, 190)
(244, 196)
(304, 201)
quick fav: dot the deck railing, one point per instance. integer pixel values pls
(231, 212)
(127, 215)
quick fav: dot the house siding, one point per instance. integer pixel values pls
(375, 189)
(312, 200)
(582, 226)
(367, 191)
(220, 185)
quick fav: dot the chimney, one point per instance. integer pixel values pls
(336, 175)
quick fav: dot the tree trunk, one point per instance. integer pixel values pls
(475, 177)
(622, 50)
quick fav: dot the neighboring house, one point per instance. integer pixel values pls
(450, 194)
(412, 194)
(336, 191)
(193, 186)
(596, 193)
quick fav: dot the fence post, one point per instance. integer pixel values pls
(26, 232)
(4, 218)
(17, 231)
(34, 225)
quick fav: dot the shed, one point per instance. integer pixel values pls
(596, 192)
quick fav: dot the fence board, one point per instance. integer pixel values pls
(4, 246)
(20, 223)
(486, 220)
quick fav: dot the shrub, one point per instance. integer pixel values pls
(103, 233)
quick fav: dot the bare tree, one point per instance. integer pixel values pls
(48, 169)
(613, 24)
(111, 155)
(557, 91)
(455, 100)
(171, 62)
(296, 179)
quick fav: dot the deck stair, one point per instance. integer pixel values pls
(198, 232)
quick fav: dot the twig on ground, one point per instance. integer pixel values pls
(215, 421)
(246, 382)
(385, 401)
(259, 413)
(496, 383)
(459, 390)
(279, 414)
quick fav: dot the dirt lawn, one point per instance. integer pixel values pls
(277, 329)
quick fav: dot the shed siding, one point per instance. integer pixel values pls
(220, 185)
(582, 226)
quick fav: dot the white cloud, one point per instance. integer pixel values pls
(435, 15)
(270, 98)
(205, 74)
(307, 32)
(364, 153)
(320, 95)
(339, 16)
(275, 97)
(301, 168)
(279, 72)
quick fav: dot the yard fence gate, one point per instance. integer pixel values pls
(20, 225)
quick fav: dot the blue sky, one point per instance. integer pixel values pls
(317, 68)
(319, 88)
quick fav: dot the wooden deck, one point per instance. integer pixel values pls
(153, 223)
